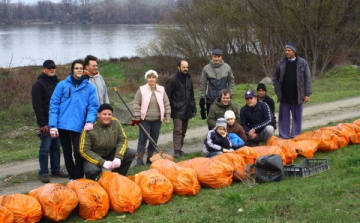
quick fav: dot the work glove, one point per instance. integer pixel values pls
(116, 163)
(202, 103)
(203, 114)
(108, 165)
(54, 133)
(133, 122)
(88, 126)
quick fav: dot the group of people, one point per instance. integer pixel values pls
(76, 113)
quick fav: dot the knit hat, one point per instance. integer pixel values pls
(104, 107)
(229, 114)
(292, 46)
(151, 72)
(221, 122)
(261, 86)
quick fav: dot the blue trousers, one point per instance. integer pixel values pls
(284, 120)
(153, 128)
(52, 147)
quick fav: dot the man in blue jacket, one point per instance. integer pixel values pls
(256, 119)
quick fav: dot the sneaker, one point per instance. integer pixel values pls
(148, 161)
(139, 162)
(44, 178)
(61, 174)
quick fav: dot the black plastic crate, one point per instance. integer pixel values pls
(307, 167)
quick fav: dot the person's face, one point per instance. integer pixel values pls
(49, 71)
(251, 102)
(92, 68)
(261, 93)
(221, 130)
(184, 67)
(225, 99)
(230, 121)
(217, 59)
(151, 80)
(105, 116)
(78, 70)
(289, 53)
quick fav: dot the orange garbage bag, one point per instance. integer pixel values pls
(93, 199)
(288, 146)
(24, 207)
(342, 135)
(307, 148)
(249, 154)
(6, 216)
(357, 122)
(155, 187)
(328, 140)
(210, 173)
(124, 194)
(183, 179)
(57, 201)
(268, 150)
(236, 161)
(354, 132)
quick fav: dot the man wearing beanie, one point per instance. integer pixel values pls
(256, 119)
(292, 83)
(105, 146)
(220, 106)
(217, 140)
(262, 96)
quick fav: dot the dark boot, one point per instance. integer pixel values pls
(150, 154)
(148, 161)
(139, 162)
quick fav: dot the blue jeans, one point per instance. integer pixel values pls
(52, 147)
(214, 153)
(153, 128)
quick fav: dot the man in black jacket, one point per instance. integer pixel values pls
(262, 96)
(41, 93)
(256, 119)
(180, 91)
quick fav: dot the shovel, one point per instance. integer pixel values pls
(161, 154)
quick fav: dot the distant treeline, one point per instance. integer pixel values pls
(85, 11)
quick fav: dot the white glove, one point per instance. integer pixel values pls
(108, 165)
(88, 126)
(54, 133)
(116, 163)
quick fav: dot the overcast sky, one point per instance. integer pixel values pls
(28, 2)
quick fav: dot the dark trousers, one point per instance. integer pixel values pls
(92, 171)
(70, 143)
(284, 120)
(151, 127)
(179, 132)
(50, 147)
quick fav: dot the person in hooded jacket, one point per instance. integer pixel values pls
(73, 106)
(180, 91)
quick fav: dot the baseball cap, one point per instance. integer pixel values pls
(250, 94)
(49, 63)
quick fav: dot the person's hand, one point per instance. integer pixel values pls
(167, 121)
(116, 163)
(108, 165)
(307, 98)
(194, 113)
(202, 103)
(54, 133)
(133, 122)
(88, 126)
(44, 129)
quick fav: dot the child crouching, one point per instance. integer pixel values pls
(217, 140)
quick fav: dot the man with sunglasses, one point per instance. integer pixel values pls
(41, 93)
(91, 72)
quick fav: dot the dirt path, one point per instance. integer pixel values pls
(313, 116)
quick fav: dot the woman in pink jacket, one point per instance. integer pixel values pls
(151, 107)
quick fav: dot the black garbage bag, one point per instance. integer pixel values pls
(269, 168)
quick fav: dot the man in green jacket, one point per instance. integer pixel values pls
(105, 146)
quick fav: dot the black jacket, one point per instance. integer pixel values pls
(180, 92)
(41, 93)
(257, 117)
(268, 100)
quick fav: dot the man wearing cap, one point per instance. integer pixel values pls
(180, 91)
(215, 76)
(41, 93)
(105, 146)
(256, 119)
(292, 83)
(220, 106)
(262, 96)
(91, 72)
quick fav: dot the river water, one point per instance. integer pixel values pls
(23, 45)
